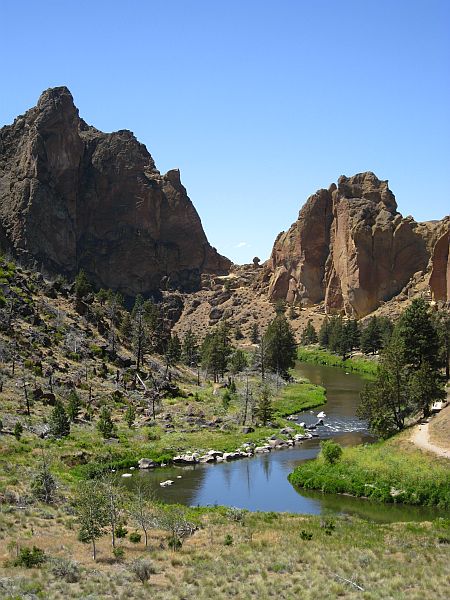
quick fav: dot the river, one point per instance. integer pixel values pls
(261, 484)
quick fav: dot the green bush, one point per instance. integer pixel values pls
(30, 557)
(119, 553)
(330, 451)
(135, 537)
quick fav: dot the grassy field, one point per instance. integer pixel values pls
(298, 397)
(324, 357)
(390, 471)
(263, 556)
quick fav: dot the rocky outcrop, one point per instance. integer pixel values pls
(440, 265)
(72, 197)
(349, 247)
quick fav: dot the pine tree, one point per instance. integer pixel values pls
(190, 350)
(371, 339)
(254, 334)
(353, 334)
(426, 386)
(385, 402)
(419, 335)
(309, 335)
(73, 406)
(130, 415)
(238, 361)
(264, 408)
(59, 424)
(281, 348)
(105, 424)
(324, 333)
(173, 353)
(215, 351)
(82, 285)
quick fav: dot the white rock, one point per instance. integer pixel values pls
(126, 474)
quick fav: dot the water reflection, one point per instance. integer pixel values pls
(260, 483)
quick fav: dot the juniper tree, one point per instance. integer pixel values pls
(59, 423)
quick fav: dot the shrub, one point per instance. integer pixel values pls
(305, 535)
(228, 541)
(18, 430)
(142, 569)
(30, 557)
(66, 569)
(135, 537)
(121, 531)
(330, 451)
(119, 553)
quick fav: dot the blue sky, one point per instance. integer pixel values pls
(259, 103)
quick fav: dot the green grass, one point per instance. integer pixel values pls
(390, 471)
(324, 357)
(297, 397)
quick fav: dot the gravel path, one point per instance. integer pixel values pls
(420, 437)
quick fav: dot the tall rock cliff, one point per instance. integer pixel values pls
(350, 248)
(440, 264)
(72, 197)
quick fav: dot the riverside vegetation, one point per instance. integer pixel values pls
(409, 377)
(88, 387)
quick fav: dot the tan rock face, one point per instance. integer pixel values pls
(440, 265)
(349, 247)
(72, 197)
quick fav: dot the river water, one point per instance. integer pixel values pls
(260, 483)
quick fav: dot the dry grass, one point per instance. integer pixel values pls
(266, 559)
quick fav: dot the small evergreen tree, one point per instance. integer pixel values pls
(264, 408)
(174, 350)
(254, 334)
(281, 348)
(371, 337)
(82, 285)
(190, 350)
(59, 424)
(105, 424)
(309, 335)
(238, 361)
(18, 430)
(324, 333)
(130, 415)
(73, 406)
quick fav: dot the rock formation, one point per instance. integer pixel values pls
(351, 248)
(440, 265)
(72, 197)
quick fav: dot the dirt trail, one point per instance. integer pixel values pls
(421, 437)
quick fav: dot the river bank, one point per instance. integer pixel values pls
(318, 356)
(387, 471)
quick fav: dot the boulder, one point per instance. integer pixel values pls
(146, 463)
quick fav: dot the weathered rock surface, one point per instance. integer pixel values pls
(72, 197)
(351, 248)
(440, 265)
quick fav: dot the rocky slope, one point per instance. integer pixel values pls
(351, 248)
(72, 197)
